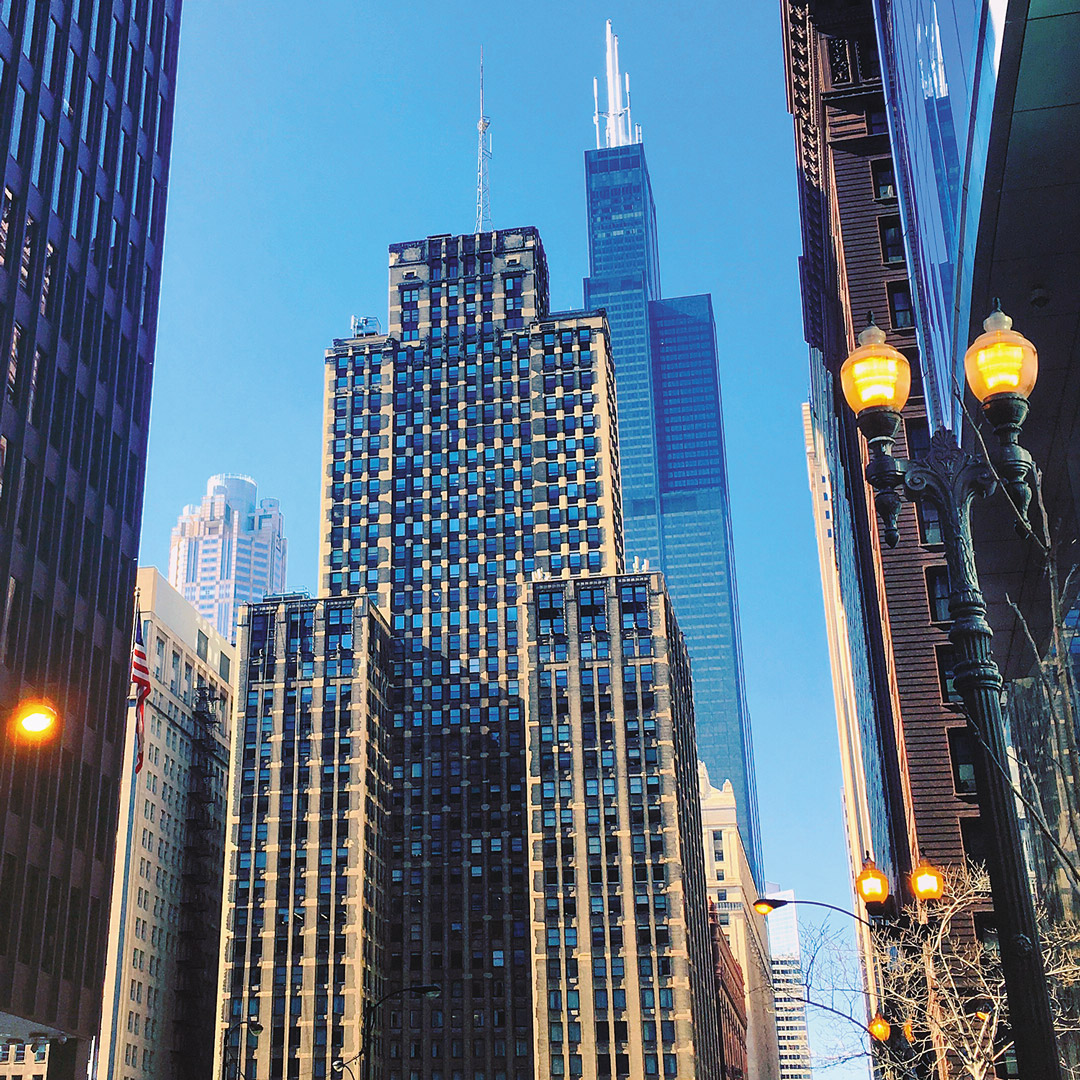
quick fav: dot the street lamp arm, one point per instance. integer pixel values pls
(821, 904)
(838, 1012)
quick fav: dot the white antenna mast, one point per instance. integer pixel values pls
(618, 128)
(596, 111)
(483, 160)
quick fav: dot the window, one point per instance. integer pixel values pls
(917, 432)
(962, 755)
(876, 122)
(892, 240)
(884, 178)
(946, 662)
(900, 310)
(929, 522)
(937, 593)
(973, 837)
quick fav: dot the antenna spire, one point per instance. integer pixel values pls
(618, 128)
(483, 161)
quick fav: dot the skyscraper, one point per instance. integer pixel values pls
(86, 104)
(471, 447)
(789, 988)
(229, 550)
(162, 963)
(675, 492)
(305, 908)
(625, 980)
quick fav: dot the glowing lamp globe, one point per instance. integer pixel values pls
(1001, 361)
(928, 882)
(880, 1028)
(765, 906)
(872, 885)
(35, 721)
(875, 375)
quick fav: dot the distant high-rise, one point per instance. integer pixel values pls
(162, 965)
(789, 988)
(86, 104)
(733, 891)
(675, 492)
(229, 550)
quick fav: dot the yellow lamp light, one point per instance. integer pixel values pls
(909, 1031)
(1001, 360)
(764, 906)
(35, 721)
(872, 884)
(928, 882)
(880, 1028)
(875, 375)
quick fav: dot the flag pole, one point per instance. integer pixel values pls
(122, 929)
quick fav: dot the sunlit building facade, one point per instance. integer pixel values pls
(789, 987)
(304, 924)
(471, 448)
(160, 983)
(229, 550)
(86, 128)
(732, 890)
(623, 973)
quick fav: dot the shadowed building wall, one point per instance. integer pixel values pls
(86, 103)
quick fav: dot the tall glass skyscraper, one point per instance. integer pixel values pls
(675, 494)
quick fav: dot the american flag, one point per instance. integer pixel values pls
(140, 678)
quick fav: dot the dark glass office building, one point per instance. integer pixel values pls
(675, 497)
(86, 101)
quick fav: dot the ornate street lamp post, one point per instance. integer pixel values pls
(1001, 367)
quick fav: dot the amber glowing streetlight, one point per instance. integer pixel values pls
(871, 884)
(875, 375)
(1000, 360)
(928, 882)
(880, 1028)
(35, 721)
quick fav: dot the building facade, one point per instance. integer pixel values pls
(622, 950)
(731, 1002)
(304, 916)
(158, 1017)
(473, 446)
(789, 988)
(228, 551)
(86, 124)
(675, 491)
(733, 891)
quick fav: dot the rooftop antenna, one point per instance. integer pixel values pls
(618, 127)
(483, 161)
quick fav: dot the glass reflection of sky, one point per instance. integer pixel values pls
(940, 60)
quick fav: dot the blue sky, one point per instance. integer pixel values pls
(304, 145)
